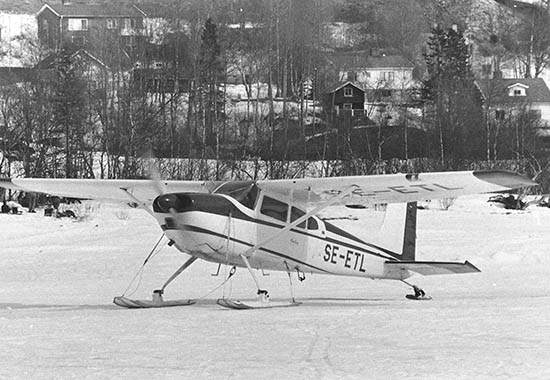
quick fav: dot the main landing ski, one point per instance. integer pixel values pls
(239, 305)
(147, 304)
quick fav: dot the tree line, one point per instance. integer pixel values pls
(56, 124)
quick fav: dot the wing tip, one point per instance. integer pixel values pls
(504, 178)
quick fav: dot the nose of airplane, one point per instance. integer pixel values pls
(168, 203)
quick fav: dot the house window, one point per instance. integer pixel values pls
(500, 114)
(78, 24)
(388, 75)
(347, 106)
(348, 92)
(517, 91)
(111, 23)
(535, 114)
(129, 23)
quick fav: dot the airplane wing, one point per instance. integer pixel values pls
(396, 188)
(369, 189)
(105, 189)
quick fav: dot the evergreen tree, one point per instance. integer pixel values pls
(69, 109)
(210, 76)
(452, 97)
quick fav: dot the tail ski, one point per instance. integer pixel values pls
(398, 235)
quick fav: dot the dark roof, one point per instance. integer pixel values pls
(157, 10)
(496, 90)
(338, 85)
(354, 60)
(94, 10)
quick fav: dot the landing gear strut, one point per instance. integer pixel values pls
(419, 294)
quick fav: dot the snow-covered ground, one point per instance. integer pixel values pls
(58, 277)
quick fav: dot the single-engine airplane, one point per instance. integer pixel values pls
(274, 224)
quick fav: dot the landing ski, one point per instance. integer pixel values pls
(239, 305)
(419, 298)
(147, 304)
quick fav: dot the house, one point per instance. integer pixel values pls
(162, 19)
(505, 97)
(345, 97)
(385, 78)
(78, 25)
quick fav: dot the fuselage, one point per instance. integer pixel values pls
(222, 226)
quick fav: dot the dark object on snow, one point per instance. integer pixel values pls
(509, 202)
(5, 208)
(66, 214)
(48, 211)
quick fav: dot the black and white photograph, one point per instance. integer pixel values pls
(275, 189)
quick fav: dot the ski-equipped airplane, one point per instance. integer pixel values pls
(274, 224)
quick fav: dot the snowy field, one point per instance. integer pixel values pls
(58, 278)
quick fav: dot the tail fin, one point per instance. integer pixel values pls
(398, 232)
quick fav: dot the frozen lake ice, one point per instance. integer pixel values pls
(58, 278)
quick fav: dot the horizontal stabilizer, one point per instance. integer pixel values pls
(430, 268)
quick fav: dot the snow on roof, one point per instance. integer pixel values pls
(93, 10)
(354, 60)
(336, 86)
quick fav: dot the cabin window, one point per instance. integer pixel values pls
(296, 213)
(111, 23)
(274, 208)
(348, 91)
(245, 192)
(348, 106)
(388, 76)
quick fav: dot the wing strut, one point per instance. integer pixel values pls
(136, 200)
(304, 217)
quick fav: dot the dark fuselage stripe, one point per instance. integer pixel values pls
(216, 234)
(333, 229)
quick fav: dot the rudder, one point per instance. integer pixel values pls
(398, 231)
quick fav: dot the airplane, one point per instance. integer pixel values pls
(274, 225)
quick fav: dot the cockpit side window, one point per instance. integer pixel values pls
(274, 208)
(246, 192)
(296, 213)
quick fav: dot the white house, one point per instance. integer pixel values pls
(384, 77)
(503, 97)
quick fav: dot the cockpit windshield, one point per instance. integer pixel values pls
(245, 192)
